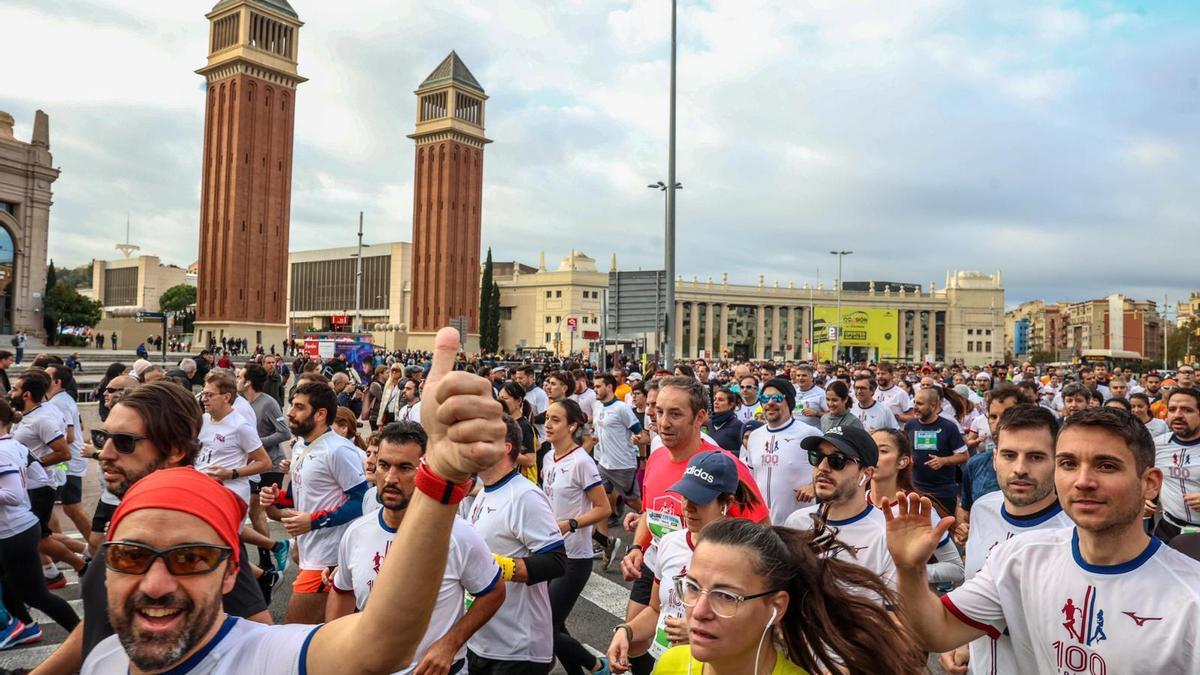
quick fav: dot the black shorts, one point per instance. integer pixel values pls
(71, 492)
(41, 502)
(641, 590)
(481, 665)
(274, 478)
(102, 516)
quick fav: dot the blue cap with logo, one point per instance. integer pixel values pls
(708, 476)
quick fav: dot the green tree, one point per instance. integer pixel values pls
(49, 323)
(180, 301)
(495, 316)
(1040, 357)
(64, 305)
(76, 277)
(485, 306)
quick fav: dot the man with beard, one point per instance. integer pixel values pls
(168, 614)
(775, 453)
(154, 426)
(843, 461)
(1153, 385)
(1177, 454)
(1026, 501)
(1100, 597)
(470, 567)
(324, 496)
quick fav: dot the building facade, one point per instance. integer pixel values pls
(128, 286)
(246, 183)
(1187, 310)
(26, 175)
(537, 304)
(447, 204)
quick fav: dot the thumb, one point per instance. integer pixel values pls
(943, 526)
(445, 350)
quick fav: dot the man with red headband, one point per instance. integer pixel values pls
(170, 559)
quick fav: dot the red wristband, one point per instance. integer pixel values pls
(439, 488)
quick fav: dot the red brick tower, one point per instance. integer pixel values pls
(245, 192)
(447, 200)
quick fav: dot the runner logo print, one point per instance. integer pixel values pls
(1084, 624)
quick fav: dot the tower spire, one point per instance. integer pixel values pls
(127, 248)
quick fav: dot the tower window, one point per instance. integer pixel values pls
(433, 106)
(468, 108)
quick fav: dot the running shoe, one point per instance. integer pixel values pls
(57, 582)
(281, 555)
(613, 551)
(10, 633)
(32, 633)
(604, 669)
(597, 551)
(266, 583)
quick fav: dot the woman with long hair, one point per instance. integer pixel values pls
(114, 371)
(837, 396)
(771, 601)
(572, 483)
(345, 424)
(893, 474)
(392, 398)
(512, 397)
(663, 622)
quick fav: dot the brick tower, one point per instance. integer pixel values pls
(245, 192)
(447, 198)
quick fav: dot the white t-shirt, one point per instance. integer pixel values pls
(1064, 615)
(371, 500)
(242, 407)
(411, 412)
(866, 533)
(991, 525)
(36, 431)
(674, 557)
(516, 521)
(813, 398)
(875, 417)
(540, 403)
(322, 472)
(15, 518)
(1180, 464)
(77, 465)
(240, 646)
(1157, 427)
(585, 400)
(780, 466)
(470, 568)
(895, 399)
(614, 423)
(566, 483)
(228, 444)
(745, 413)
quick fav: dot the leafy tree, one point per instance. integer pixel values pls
(1040, 357)
(76, 277)
(64, 305)
(495, 317)
(485, 307)
(180, 300)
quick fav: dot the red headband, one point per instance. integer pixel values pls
(186, 490)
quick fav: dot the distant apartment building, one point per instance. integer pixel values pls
(1187, 310)
(1035, 327)
(1065, 330)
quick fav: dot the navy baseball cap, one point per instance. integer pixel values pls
(852, 441)
(708, 476)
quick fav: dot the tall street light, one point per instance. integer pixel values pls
(837, 344)
(358, 276)
(669, 273)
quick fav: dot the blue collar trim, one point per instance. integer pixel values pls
(1033, 519)
(389, 530)
(853, 519)
(791, 421)
(1186, 444)
(1121, 568)
(502, 482)
(195, 659)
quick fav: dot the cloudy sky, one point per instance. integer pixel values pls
(1055, 141)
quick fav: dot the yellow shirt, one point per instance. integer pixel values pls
(675, 661)
(622, 391)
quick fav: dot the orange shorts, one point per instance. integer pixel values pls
(309, 581)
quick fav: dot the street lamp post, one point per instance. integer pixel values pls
(669, 310)
(837, 344)
(358, 275)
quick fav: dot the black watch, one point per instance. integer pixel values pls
(573, 524)
(235, 474)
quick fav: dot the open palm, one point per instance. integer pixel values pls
(911, 537)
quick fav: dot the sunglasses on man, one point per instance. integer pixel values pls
(771, 398)
(129, 557)
(837, 461)
(123, 443)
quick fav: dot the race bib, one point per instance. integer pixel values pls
(662, 524)
(925, 440)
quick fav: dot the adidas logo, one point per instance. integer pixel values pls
(700, 473)
(835, 431)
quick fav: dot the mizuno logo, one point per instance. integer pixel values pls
(1139, 620)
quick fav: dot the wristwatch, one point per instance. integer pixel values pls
(637, 546)
(235, 474)
(573, 524)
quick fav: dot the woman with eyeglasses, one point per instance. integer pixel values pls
(708, 488)
(837, 397)
(768, 600)
(20, 532)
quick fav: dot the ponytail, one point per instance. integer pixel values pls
(744, 497)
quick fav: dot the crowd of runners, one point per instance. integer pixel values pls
(445, 515)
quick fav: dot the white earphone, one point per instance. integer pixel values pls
(774, 613)
(862, 481)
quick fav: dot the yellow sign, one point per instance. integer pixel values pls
(861, 327)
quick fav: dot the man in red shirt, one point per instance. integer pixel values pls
(681, 411)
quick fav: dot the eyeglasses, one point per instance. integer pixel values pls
(124, 443)
(113, 390)
(837, 461)
(129, 557)
(723, 603)
(771, 398)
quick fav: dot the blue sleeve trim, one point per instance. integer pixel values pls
(5, 473)
(55, 438)
(348, 511)
(303, 665)
(546, 549)
(636, 428)
(588, 488)
(490, 587)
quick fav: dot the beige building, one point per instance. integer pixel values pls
(1187, 310)
(1036, 326)
(537, 305)
(128, 286)
(26, 173)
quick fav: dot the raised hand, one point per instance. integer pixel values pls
(463, 421)
(910, 537)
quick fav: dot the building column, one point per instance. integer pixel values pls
(708, 327)
(901, 326)
(775, 347)
(694, 338)
(806, 331)
(723, 331)
(677, 348)
(931, 335)
(760, 332)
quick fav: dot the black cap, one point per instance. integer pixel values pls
(784, 387)
(852, 441)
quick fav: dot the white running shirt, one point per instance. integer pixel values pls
(614, 423)
(875, 417)
(1180, 464)
(516, 521)
(674, 557)
(991, 525)
(322, 472)
(470, 568)
(895, 399)
(1066, 616)
(228, 444)
(813, 398)
(866, 533)
(780, 466)
(36, 431)
(566, 483)
(77, 465)
(18, 517)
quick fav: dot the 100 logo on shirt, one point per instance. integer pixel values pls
(1075, 659)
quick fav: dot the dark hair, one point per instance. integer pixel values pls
(171, 415)
(839, 389)
(903, 449)
(1005, 392)
(320, 397)
(1141, 397)
(517, 393)
(7, 414)
(836, 608)
(255, 375)
(697, 393)
(527, 369)
(35, 382)
(729, 396)
(566, 378)
(63, 375)
(870, 380)
(5, 354)
(513, 436)
(1185, 391)
(1122, 423)
(574, 416)
(608, 379)
(399, 433)
(685, 370)
(1076, 389)
(1027, 416)
(743, 497)
(959, 403)
(1119, 402)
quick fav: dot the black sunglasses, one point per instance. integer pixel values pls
(129, 557)
(124, 443)
(837, 461)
